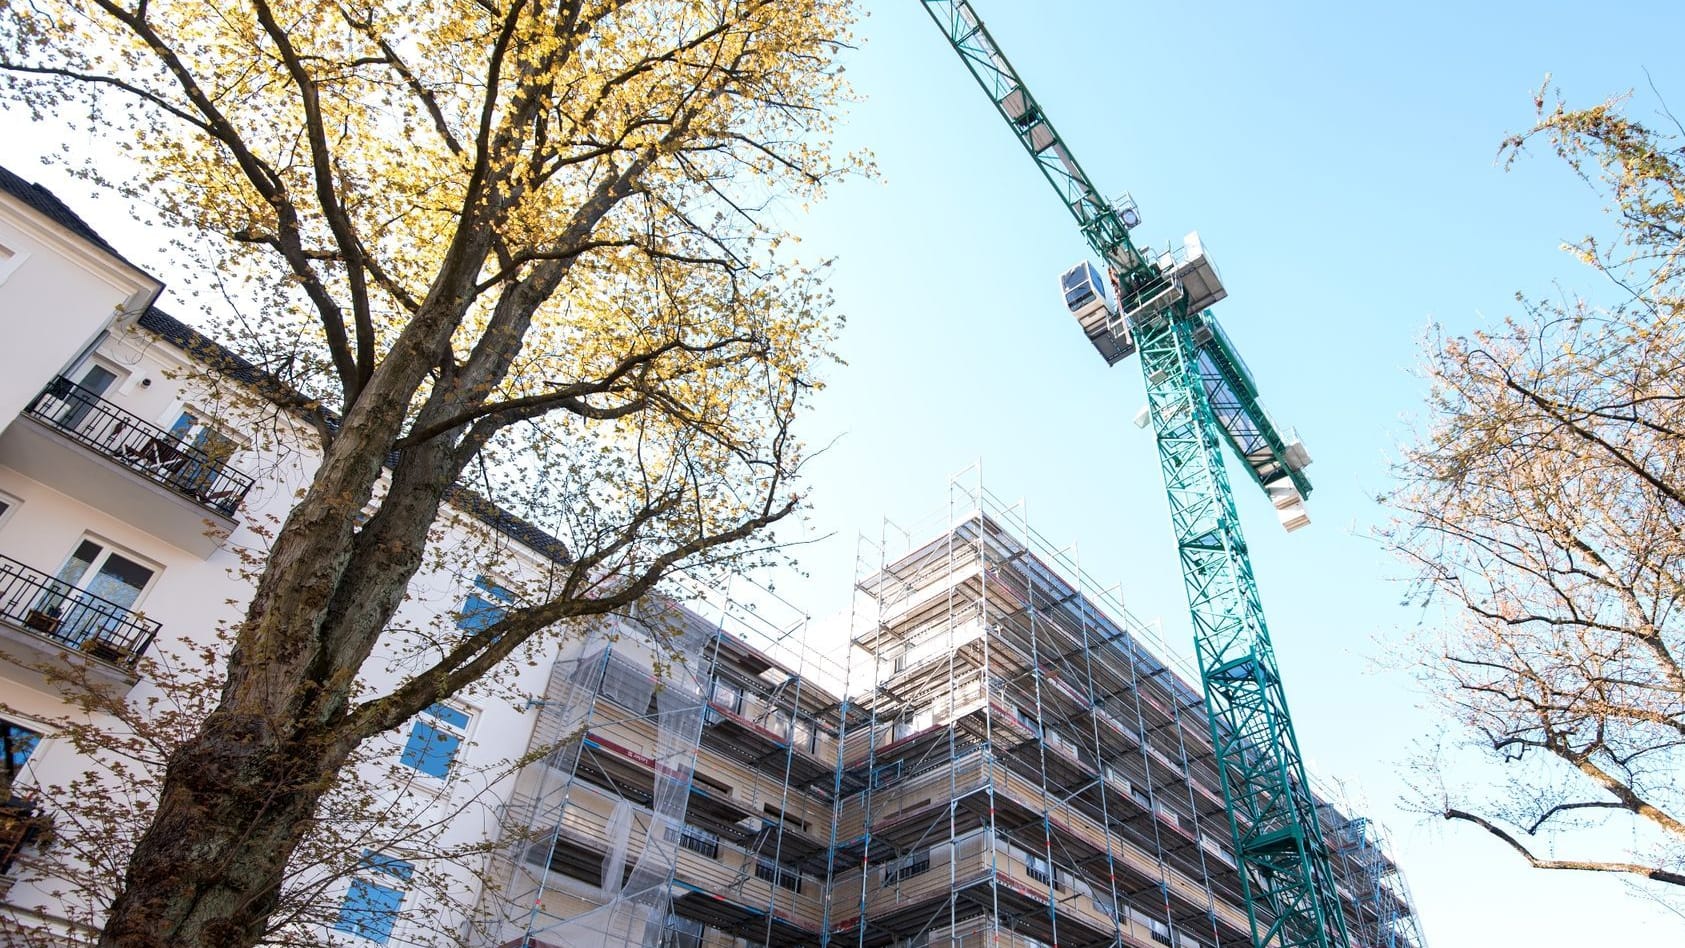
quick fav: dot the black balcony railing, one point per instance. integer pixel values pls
(53, 609)
(143, 447)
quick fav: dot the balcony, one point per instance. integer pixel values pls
(42, 618)
(84, 446)
(153, 452)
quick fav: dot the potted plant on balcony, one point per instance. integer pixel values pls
(44, 619)
(104, 649)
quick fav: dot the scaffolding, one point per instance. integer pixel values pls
(999, 754)
(1030, 770)
(1370, 881)
(676, 792)
(582, 867)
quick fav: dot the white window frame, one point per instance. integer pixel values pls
(213, 420)
(107, 547)
(12, 504)
(464, 736)
(45, 734)
(11, 264)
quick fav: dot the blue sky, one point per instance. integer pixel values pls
(1338, 160)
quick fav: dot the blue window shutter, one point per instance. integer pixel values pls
(389, 865)
(478, 613)
(449, 715)
(19, 744)
(370, 910)
(482, 611)
(430, 749)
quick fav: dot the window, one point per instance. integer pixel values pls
(371, 905)
(782, 876)
(727, 696)
(794, 822)
(1116, 777)
(213, 449)
(1041, 870)
(710, 785)
(695, 840)
(16, 744)
(8, 504)
(92, 596)
(914, 720)
(480, 612)
(1030, 721)
(627, 682)
(1160, 932)
(1061, 742)
(681, 933)
(435, 737)
(1215, 848)
(79, 402)
(906, 867)
(1036, 867)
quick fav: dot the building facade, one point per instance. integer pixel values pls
(984, 751)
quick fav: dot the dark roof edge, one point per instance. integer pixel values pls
(47, 204)
(226, 362)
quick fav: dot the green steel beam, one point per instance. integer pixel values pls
(1234, 398)
(1288, 877)
(1199, 394)
(1101, 223)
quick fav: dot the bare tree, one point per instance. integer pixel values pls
(523, 241)
(1544, 507)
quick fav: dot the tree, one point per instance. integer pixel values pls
(1545, 506)
(101, 809)
(523, 241)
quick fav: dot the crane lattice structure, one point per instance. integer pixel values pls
(1199, 394)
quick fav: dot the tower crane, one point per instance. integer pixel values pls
(1199, 395)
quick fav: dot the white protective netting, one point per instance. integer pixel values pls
(649, 668)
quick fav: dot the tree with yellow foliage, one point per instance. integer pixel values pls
(527, 241)
(1544, 506)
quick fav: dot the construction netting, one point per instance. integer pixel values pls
(647, 669)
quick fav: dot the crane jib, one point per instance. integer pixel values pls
(1101, 222)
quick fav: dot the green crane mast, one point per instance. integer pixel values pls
(1199, 394)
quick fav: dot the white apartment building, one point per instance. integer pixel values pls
(130, 490)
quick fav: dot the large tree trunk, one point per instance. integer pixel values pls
(236, 801)
(237, 798)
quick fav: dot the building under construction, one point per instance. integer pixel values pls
(995, 758)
